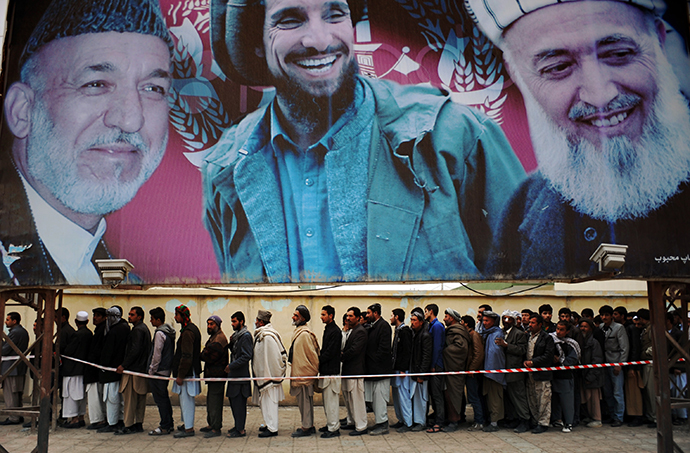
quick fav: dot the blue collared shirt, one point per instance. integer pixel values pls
(302, 178)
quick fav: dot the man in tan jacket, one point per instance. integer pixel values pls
(304, 358)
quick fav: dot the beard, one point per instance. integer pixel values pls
(619, 178)
(313, 111)
(54, 162)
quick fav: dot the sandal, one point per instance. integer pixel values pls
(159, 432)
(434, 429)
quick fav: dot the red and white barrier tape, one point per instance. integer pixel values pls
(364, 376)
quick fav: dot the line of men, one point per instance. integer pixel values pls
(518, 401)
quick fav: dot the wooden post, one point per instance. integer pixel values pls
(46, 369)
(657, 309)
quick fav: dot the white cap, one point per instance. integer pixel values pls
(82, 316)
(494, 16)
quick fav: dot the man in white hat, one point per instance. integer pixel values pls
(611, 133)
(73, 394)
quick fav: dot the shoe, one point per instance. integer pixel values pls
(323, 429)
(450, 427)
(557, 424)
(263, 428)
(380, 429)
(490, 428)
(404, 428)
(210, 434)
(108, 429)
(523, 427)
(540, 429)
(160, 432)
(511, 424)
(397, 425)
(139, 428)
(206, 429)
(594, 424)
(185, 433)
(181, 427)
(616, 424)
(8, 422)
(299, 432)
(567, 428)
(358, 433)
(434, 429)
(28, 424)
(126, 430)
(637, 421)
(236, 433)
(232, 430)
(75, 425)
(676, 421)
(347, 427)
(97, 425)
(417, 428)
(268, 433)
(330, 434)
(343, 421)
(476, 427)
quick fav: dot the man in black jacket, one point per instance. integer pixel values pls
(378, 361)
(94, 389)
(215, 358)
(353, 356)
(13, 385)
(160, 364)
(73, 397)
(420, 362)
(540, 352)
(186, 364)
(241, 345)
(515, 345)
(401, 351)
(134, 388)
(112, 355)
(329, 365)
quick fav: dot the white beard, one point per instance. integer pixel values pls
(619, 179)
(54, 163)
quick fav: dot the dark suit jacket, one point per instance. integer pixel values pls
(402, 348)
(94, 356)
(78, 347)
(353, 352)
(113, 352)
(379, 349)
(329, 359)
(35, 266)
(515, 353)
(544, 351)
(422, 351)
(20, 337)
(242, 351)
(137, 349)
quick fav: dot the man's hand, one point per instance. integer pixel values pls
(528, 364)
(501, 342)
(179, 380)
(616, 370)
(227, 368)
(420, 380)
(631, 374)
(120, 369)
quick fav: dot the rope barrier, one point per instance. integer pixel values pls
(365, 376)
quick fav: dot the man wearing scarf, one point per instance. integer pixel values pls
(186, 364)
(242, 351)
(515, 346)
(494, 359)
(455, 358)
(112, 355)
(215, 357)
(304, 358)
(270, 362)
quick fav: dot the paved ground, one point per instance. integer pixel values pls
(605, 439)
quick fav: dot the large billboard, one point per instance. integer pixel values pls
(314, 141)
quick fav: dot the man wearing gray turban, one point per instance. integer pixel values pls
(89, 117)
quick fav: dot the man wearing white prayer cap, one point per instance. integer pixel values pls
(610, 130)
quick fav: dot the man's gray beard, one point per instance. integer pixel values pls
(314, 111)
(621, 179)
(47, 163)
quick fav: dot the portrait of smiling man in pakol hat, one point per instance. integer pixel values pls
(341, 177)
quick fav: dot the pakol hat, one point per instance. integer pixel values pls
(237, 31)
(494, 16)
(264, 315)
(65, 18)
